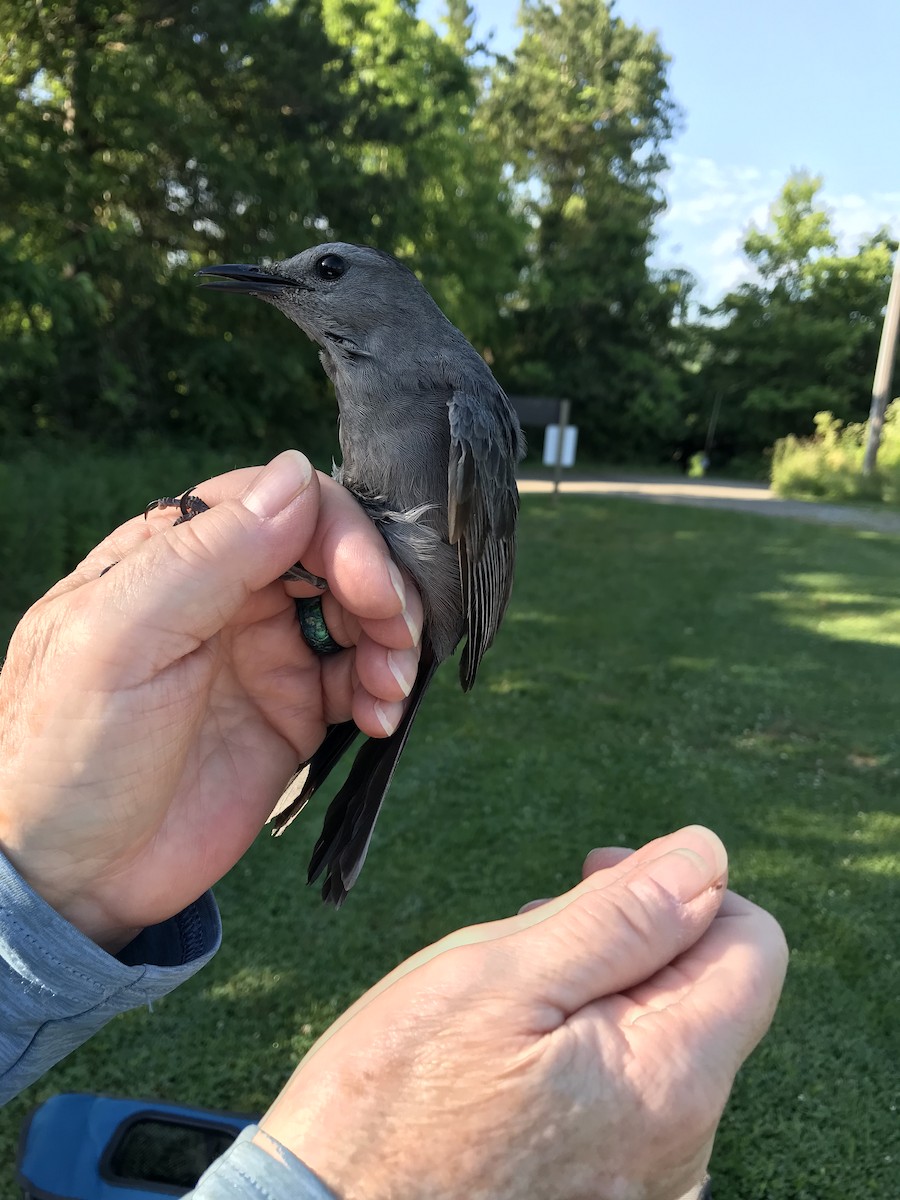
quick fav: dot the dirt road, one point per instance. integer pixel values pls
(739, 497)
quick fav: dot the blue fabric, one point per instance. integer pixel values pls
(248, 1172)
(58, 988)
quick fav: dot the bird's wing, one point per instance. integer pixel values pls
(483, 505)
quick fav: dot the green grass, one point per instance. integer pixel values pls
(659, 666)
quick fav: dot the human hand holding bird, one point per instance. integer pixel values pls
(150, 714)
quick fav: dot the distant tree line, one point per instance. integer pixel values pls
(141, 140)
(802, 340)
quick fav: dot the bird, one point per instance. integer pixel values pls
(429, 444)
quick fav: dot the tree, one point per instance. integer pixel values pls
(582, 111)
(429, 181)
(803, 339)
(459, 18)
(136, 142)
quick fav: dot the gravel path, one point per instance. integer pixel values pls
(739, 497)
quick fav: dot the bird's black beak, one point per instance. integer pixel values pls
(244, 277)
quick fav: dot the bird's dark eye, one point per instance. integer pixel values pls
(331, 266)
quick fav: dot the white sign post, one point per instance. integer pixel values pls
(559, 445)
(563, 456)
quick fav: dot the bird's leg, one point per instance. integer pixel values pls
(299, 574)
(191, 505)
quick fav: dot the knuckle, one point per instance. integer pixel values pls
(636, 918)
(633, 915)
(195, 539)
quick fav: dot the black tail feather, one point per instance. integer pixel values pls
(351, 816)
(338, 739)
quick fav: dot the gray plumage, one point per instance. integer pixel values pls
(429, 443)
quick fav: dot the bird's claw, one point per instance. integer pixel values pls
(189, 505)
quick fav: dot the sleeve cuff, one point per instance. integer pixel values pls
(247, 1170)
(57, 987)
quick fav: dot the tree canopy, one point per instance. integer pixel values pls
(142, 140)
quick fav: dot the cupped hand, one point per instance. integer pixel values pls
(151, 715)
(582, 1050)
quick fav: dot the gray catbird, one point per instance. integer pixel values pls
(429, 443)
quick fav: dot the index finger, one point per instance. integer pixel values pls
(348, 551)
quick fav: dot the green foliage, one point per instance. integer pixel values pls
(828, 466)
(139, 145)
(582, 110)
(721, 668)
(784, 254)
(135, 146)
(427, 180)
(805, 338)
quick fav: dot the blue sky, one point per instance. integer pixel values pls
(765, 87)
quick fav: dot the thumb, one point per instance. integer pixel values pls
(606, 936)
(186, 582)
(600, 938)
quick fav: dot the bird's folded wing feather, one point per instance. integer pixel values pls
(483, 505)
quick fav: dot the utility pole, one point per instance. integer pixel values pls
(881, 389)
(713, 422)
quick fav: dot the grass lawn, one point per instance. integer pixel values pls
(659, 666)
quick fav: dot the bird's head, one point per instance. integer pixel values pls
(344, 297)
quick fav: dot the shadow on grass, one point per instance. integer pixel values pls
(659, 666)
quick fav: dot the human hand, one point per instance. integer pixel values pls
(582, 1050)
(150, 716)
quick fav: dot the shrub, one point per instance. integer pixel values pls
(828, 466)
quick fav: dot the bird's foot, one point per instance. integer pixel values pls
(189, 504)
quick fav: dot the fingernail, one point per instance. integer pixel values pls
(710, 846)
(285, 477)
(397, 581)
(415, 629)
(404, 667)
(388, 714)
(682, 873)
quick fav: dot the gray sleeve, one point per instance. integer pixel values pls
(247, 1172)
(57, 987)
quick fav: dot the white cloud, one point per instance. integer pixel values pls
(711, 206)
(856, 217)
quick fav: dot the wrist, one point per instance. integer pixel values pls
(102, 929)
(314, 1184)
(70, 900)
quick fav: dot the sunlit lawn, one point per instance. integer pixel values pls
(659, 666)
